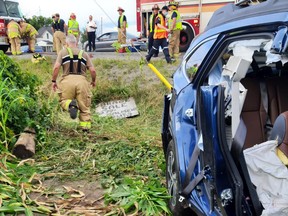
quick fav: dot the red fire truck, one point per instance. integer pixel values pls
(9, 9)
(195, 15)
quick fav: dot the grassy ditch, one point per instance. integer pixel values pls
(120, 160)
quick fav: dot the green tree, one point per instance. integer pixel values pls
(84, 36)
(39, 21)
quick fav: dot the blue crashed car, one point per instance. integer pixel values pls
(229, 95)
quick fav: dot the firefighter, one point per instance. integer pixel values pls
(13, 32)
(59, 28)
(122, 25)
(151, 27)
(175, 26)
(74, 89)
(29, 33)
(160, 37)
(73, 26)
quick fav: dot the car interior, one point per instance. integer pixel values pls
(265, 98)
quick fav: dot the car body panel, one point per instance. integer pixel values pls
(104, 42)
(25, 49)
(197, 109)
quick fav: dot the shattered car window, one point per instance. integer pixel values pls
(196, 58)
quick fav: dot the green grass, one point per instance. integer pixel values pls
(124, 155)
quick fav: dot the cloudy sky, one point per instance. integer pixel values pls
(82, 9)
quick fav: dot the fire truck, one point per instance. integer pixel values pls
(195, 15)
(9, 9)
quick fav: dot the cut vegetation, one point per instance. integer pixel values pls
(116, 169)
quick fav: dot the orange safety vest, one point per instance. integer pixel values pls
(158, 32)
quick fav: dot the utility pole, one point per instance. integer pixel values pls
(101, 25)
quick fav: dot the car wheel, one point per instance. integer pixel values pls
(4, 48)
(173, 183)
(86, 48)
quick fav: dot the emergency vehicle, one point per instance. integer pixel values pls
(195, 15)
(9, 9)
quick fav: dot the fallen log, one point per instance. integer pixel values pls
(25, 146)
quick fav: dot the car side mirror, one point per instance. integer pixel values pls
(280, 42)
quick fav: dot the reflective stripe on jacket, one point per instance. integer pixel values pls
(73, 27)
(158, 32)
(178, 25)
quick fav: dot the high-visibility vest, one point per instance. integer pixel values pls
(29, 30)
(121, 21)
(73, 27)
(72, 58)
(13, 29)
(151, 22)
(158, 32)
(178, 25)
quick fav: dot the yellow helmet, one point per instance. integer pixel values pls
(173, 3)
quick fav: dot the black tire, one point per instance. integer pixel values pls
(186, 37)
(86, 48)
(4, 48)
(172, 182)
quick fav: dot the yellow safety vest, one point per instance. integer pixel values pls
(80, 58)
(158, 32)
(151, 22)
(13, 29)
(121, 21)
(73, 27)
(178, 25)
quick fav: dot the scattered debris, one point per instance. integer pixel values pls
(118, 109)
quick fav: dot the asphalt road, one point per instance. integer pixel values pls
(102, 55)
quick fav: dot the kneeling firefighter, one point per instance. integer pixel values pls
(74, 89)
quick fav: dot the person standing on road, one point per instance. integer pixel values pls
(73, 26)
(74, 89)
(160, 37)
(91, 33)
(122, 25)
(59, 28)
(175, 26)
(29, 33)
(151, 27)
(13, 32)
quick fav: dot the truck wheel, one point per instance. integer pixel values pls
(4, 48)
(173, 183)
(186, 37)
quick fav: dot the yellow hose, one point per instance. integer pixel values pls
(160, 76)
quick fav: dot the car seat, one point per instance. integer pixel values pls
(279, 133)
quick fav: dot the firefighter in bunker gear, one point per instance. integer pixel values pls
(175, 26)
(13, 32)
(74, 89)
(122, 25)
(160, 37)
(59, 28)
(73, 26)
(29, 33)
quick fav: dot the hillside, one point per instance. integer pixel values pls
(115, 169)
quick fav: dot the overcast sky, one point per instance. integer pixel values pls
(82, 9)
